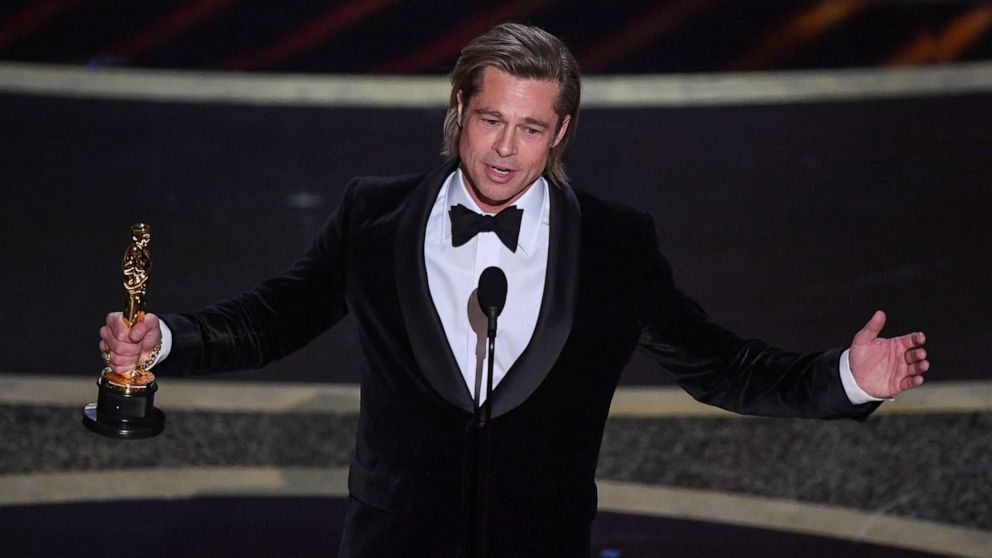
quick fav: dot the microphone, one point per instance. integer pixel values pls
(492, 295)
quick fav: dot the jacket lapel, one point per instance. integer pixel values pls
(554, 322)
(423, 326)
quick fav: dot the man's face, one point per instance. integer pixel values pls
(508, 130)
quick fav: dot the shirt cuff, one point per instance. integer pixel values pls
(851, 387)
(166, 344)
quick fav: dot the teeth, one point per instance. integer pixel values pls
(501, 171)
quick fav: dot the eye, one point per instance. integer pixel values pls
(533, 131)
(490, 121)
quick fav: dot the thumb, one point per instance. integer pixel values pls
(147, 328)
(871, 330)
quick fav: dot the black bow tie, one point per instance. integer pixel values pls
(465, 224)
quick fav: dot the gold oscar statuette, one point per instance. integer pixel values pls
(125, 404)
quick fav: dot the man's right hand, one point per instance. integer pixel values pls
(129, 347)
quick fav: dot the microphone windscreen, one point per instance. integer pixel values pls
(492, 289)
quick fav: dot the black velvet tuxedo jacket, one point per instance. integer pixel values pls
(608, 290)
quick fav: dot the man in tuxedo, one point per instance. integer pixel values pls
(587, 285)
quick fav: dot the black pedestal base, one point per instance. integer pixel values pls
(124, 414)
(123, 430)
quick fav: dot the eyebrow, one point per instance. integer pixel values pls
(498, 114)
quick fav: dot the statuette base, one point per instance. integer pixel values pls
(129, 382)
(124, 411)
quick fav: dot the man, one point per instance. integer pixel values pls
(587, 285)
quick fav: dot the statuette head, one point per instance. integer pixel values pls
(141, 234)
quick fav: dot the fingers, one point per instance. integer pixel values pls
(910, 382)
(121, 357)
(118, 329)
(105, 338)
(913, 356)
(147, 332)
(128, 345)
(911, 340)
(112, 338)
(871, 330)
(122, 364)
(914, 375)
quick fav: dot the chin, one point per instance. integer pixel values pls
(500, 197)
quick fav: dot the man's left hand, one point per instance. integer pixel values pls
(885, 368)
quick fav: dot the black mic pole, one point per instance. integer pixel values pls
(492, 298)
(470, 486)
(485, 445)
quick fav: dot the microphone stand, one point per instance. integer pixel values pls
(484, 448)
(492, 297)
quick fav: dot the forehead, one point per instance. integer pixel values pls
(499, 89)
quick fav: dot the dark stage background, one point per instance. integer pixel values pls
(791, 222)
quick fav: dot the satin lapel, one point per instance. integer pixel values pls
(554, 322)
(423, 326)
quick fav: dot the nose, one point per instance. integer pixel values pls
(504, 143)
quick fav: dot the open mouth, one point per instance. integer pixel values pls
(499, 171)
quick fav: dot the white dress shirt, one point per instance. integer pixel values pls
(453, 276)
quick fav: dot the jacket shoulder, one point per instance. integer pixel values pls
(610, 215)
(373, 197)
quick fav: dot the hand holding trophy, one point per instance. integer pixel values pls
(125, 404)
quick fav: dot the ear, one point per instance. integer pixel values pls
(460, 107)
(561, 130)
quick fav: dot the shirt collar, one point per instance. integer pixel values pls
(534, 202)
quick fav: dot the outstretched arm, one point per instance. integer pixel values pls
(885, 368)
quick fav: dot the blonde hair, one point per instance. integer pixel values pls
(525, 52)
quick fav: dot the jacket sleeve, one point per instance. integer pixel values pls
(275, 318)
(719, 368)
